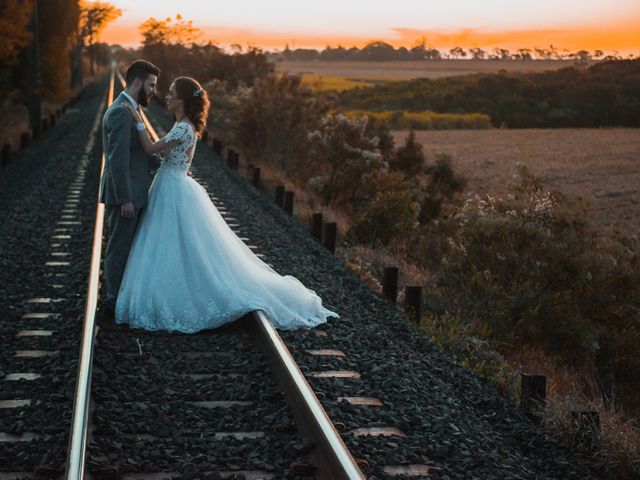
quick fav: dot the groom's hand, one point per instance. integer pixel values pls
(126, 210)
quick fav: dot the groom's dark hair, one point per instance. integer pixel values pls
(140, 69)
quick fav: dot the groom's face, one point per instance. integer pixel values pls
(147, 90)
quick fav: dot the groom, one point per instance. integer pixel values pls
(127, 174)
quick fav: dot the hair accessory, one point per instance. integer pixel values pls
(198, 92)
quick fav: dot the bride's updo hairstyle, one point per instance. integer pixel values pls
(196, 101)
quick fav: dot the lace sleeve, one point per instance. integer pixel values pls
(178, 132)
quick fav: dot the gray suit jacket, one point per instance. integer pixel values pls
(127, 168)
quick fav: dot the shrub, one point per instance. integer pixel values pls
(443, 185)
(392, 215)
(527, 268)
(349, 162)
(409, 158)
(273, 122)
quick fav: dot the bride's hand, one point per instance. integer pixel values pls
(134, 112)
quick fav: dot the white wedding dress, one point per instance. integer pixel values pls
(188, 271)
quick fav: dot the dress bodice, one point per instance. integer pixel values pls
(177, 159)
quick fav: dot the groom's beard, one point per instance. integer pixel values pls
(143, 98)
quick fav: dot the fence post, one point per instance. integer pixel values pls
(413, 302)
(390, 283)
(330, 234)
(316, 226)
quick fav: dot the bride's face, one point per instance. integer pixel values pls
(172, 98)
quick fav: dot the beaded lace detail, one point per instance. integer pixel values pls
(177, 159)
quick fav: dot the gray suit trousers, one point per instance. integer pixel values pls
(120, 237)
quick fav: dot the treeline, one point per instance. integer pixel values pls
(382, 51)
(603, 95)
(170, 44)
(42, 45)
(50, 30)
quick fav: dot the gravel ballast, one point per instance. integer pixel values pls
(453, 420)
(145, 384)
(34, 190)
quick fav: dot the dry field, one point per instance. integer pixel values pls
(600, 165)
(376, 71)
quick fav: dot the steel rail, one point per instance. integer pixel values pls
(334, 459)
(77, 448)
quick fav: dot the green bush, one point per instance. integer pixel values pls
(393, 214)
(528, 268)
(444, 183)
(409, 158)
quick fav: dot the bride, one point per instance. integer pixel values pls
(187, 270)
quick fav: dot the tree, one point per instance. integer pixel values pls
(432, 54)
(409, 159)
(13, 31)
(502, 53)
(379, 129)
(170, 32)
(458, 52)
(155, 32)
(390, 217)
(171, 45)
(377, 51)
(525, 53)
(57, 30)
(274, 117)
(477, 53)
(351, 162)
(95, 16)
(543, 53)
(443, 184)
(582, 55)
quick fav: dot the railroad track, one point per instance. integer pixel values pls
(229, 402)
(216, 404)
(164, 361)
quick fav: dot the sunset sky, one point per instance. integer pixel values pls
(611, 25)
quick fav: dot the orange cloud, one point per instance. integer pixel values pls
(623, 37)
